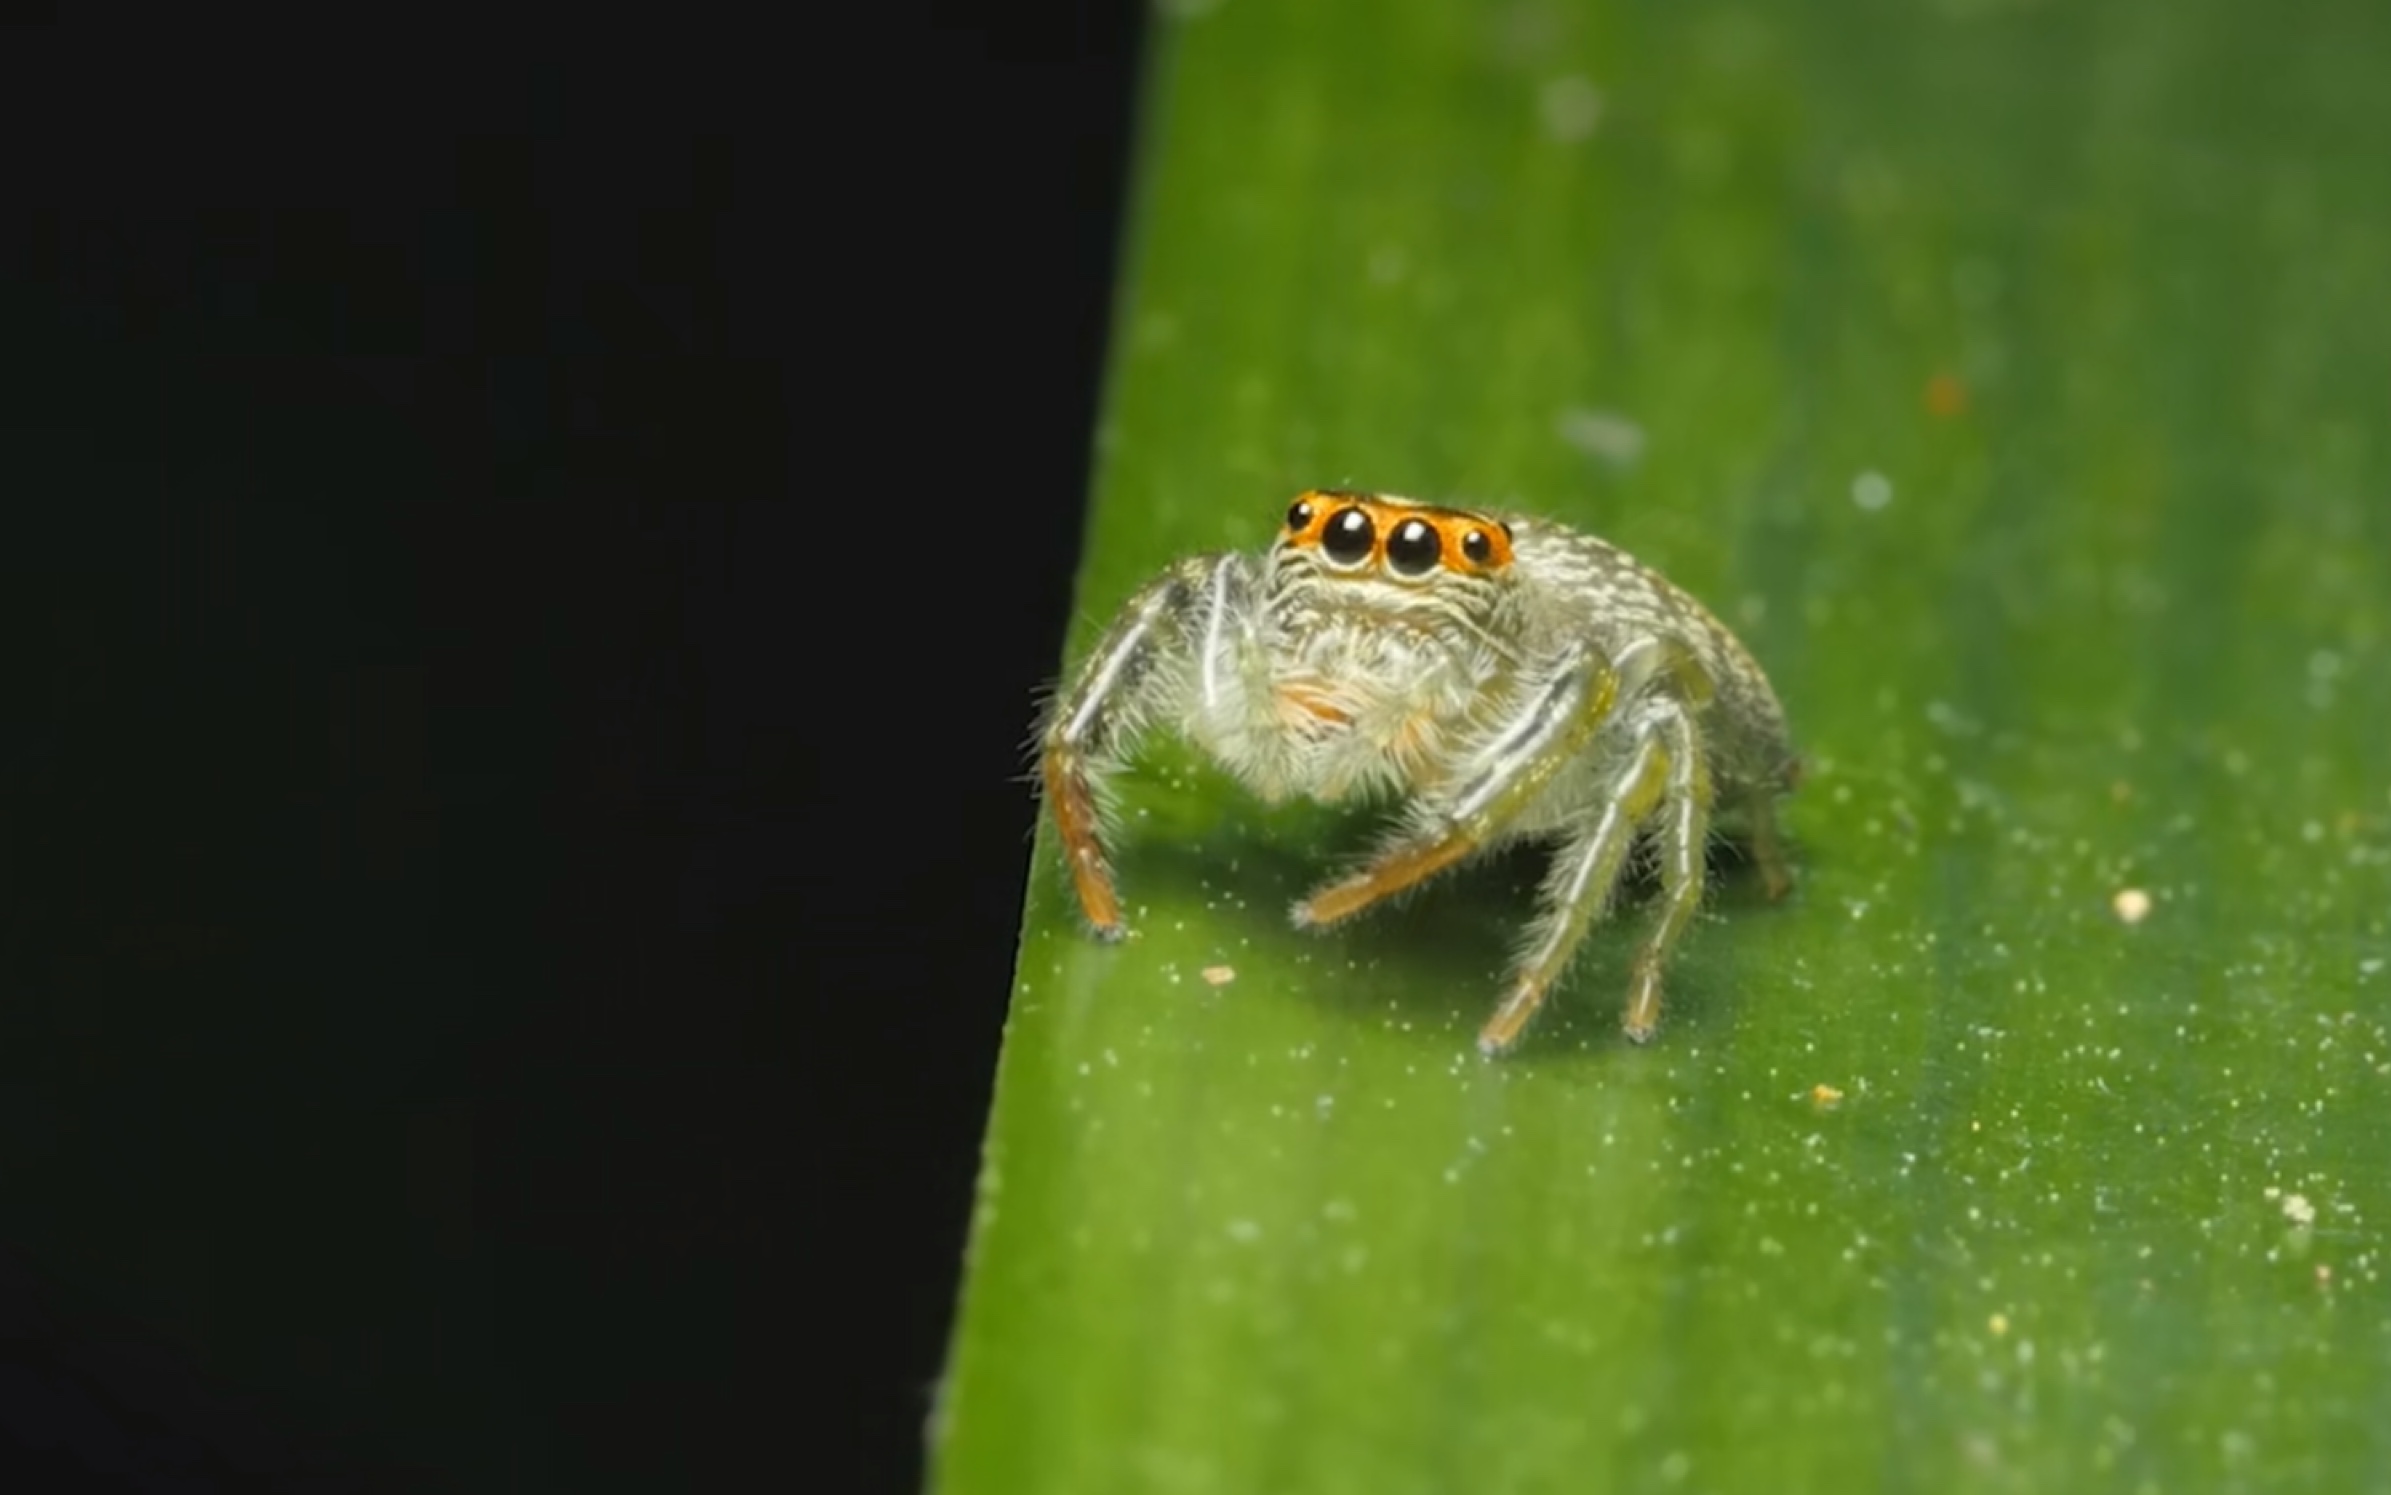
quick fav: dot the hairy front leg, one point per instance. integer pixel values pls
(1505, 777)
(1093, 723)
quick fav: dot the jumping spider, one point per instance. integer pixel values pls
(1504, 677)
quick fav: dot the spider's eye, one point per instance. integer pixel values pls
(1299, 517)
(1477, 547)
(1414, 548)
(1348, 537)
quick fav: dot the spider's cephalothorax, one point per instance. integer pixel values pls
(1500, 675)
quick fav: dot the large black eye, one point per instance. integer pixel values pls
(1413, 548)
(1299, 517)
(1347, 538)
(1477, 547)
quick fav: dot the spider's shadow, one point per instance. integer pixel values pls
(1451, 941)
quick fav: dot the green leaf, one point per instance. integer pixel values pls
(2013, 376)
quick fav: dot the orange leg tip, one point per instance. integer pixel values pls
(1502, 1031)
(1308, 914)
(1333, 904)
(1339, 901)
(1096, 897)
(1104, 917)
(1642, 1018)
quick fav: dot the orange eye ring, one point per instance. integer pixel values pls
(1358, 531)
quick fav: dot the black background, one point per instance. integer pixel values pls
(526, 563)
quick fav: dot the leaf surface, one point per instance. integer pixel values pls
(2012, 376)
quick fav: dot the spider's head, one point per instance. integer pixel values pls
(1386, 554)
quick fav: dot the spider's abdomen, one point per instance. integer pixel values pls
(1586, 587)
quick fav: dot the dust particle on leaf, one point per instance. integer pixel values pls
(1946, 395)
(1606, 434)
(1571, 107)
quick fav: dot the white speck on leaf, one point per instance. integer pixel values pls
(1571, 107)
(1601, 433)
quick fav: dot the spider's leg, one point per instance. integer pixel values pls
(1682, 835)
(1583, 878)
(1768, 848)
(1556, 721)
(1161, 635)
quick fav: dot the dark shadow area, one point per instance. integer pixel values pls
(531, 574)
